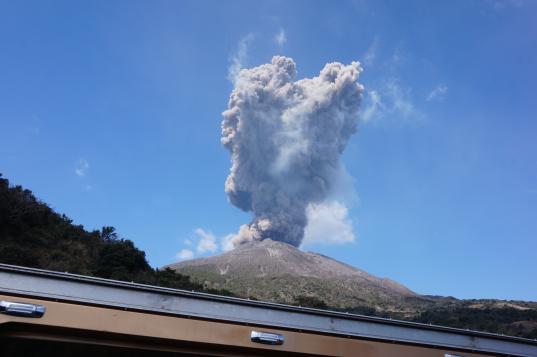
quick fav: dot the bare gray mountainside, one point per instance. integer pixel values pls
(276, 271)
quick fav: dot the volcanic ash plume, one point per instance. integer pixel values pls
(285, 139)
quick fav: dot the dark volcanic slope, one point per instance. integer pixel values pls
(270, 270)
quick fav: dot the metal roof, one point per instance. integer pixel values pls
(116, 294)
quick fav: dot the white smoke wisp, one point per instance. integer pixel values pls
(286, 138)
(328, 223)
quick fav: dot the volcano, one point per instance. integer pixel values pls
(274, 271)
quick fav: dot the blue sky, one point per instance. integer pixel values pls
(111, 113)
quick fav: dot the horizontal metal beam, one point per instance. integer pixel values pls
(96, 291)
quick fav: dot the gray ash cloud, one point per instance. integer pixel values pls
(286, 137)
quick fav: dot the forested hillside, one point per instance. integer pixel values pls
(34, 235)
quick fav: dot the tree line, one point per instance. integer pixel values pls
(33, 235)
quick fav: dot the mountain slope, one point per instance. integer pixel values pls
(275, 271)
(270, 270)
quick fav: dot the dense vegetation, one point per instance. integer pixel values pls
(505, 320)
(514, 321)
(310, 301)
(34, 235)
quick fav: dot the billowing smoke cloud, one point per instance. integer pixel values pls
(285, 139)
